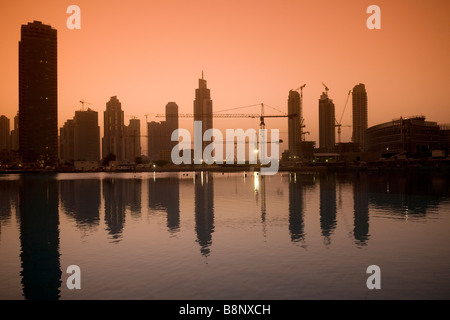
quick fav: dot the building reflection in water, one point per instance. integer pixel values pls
(360, 209)
(204, 210)
(120, 195)
(80, 200)
(327, 205)
(39, 237)
(298, 183)
(164, 194)
(9, 197)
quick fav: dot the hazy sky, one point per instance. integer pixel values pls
(150, 52)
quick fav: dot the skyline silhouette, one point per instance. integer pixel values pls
(259, 64)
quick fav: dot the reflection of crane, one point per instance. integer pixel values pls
(83, 103)
(339, 124)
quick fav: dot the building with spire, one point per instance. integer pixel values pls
(203, 108)
(112, 143)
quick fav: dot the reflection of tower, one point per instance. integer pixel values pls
(203, 108)
(296, 223)
(164, 194)
(9, 190)
(39, 238)
(80, 199)
(327, 205)
(120, 195)
(361, 209)
(204, 210)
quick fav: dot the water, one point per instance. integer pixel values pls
(225, 236)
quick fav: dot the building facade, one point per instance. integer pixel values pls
(86, 136)
(132, 140)
(203, 108)
(160, 144)
(411, 137)
(294, 124)
(359, 101)
(112, 142)
(5, 134)
(38, 94)
(327, 136)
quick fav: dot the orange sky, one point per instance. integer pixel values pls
(151, 52)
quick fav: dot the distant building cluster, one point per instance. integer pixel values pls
(33, 141)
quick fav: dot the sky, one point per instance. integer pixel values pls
(151, 52)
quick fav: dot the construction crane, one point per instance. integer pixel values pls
(326, 88)
(302, 125)
(339, 124)
(83, 103)
(146, 115)
(261, 117)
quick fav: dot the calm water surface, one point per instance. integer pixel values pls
(225, 236)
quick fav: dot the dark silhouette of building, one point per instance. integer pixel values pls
(15, 134)
(86, 135)
(38, 94)
(132, 140)
(39, 238)
(327, 137)
(113, 129)
(294, 124)
(5, 134)
(67, 142)
(411, 137)
(160, 144)
(203, 108)
(359, 99)
(79, 138)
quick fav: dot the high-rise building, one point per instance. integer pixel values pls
(294, 124)
(38, 94)
(67, 142)
(15, 134)
(5, 135)
(359, 99)
(203, 108)
(113, 129)
(132, 140)
(86, 135)
(327, 138)
(160, 144)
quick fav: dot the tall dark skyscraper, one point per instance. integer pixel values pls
(38, 94)
(5, 135)
(294, 124)
(113, 129)
(86, 135)
(359, 97)
(327, 137)
(203, 108)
